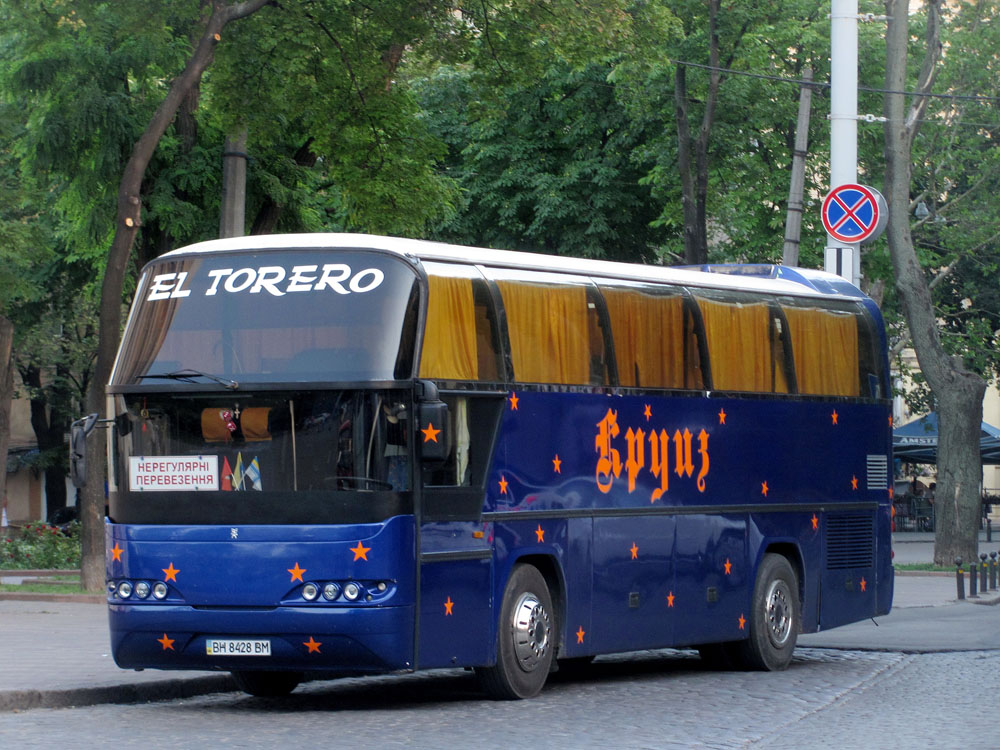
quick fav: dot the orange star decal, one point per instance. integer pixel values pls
(722, 416)
(503, 484)
(891, 493)
(430, 433)
(448, 604)
(296, 572)
(167, 643)
(557, 464)
(864, 584)
(670, 599)
(834, 416)
(513, 401)
(579, 634)
(313, 645)
(854, 483)
(815, 522)
(890, 421)
(728, 566)
(170, 574)
(361, 552)
(635, 551)
(540, 533)
(647, 412)
(764, 488)
(116, 552)
(743, 622)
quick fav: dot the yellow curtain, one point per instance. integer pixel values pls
(450, 351)
(739, 345)
(548, 332)
(649, 337)
(825, 346)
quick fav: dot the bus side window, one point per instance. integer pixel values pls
(555, 335)
(461, 336)
(825, 345)
(655, 337)
(747, 344)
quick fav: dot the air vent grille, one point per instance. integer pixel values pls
(878, 472)
(850, 541)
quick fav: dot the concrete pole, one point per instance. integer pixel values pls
(842, 259)
(793, 223)
(232, 218)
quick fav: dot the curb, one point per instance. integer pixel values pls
(30, 596)
(159, 690)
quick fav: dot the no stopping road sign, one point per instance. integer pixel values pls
(854, 214)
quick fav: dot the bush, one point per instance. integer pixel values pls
(39, 546)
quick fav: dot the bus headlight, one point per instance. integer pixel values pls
(352, 591)
(124, 590)
(310, 591)
(142, 589)
(331, 591)
(159, 590)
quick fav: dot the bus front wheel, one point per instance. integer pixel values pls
(526, 638)
(267, 684)
(775, 617)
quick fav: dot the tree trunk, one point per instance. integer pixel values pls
(126, 227)
(6, 394)
(958, 391)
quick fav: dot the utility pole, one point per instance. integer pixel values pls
(232, 218)
(793, 223)
(842, 258)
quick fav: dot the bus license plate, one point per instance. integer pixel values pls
(237, 647)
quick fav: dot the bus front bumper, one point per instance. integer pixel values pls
(346, 640)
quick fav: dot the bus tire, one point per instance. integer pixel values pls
(774, 618)
(267, 684)
(526, 638)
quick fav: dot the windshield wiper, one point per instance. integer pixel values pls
(188, 375)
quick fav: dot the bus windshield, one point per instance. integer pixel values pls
(260, 317)
(313, 456)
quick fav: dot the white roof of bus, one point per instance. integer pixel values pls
(426, 250)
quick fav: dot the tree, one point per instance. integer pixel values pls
(127, 222)
(958, 391)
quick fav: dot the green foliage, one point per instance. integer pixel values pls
(39, 546)
(550, 165)
(956, 175)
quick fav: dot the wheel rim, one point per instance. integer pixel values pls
(531, 630)
(778, 611)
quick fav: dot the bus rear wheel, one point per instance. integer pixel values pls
(267, 684)
(526, 638)
(774, 618)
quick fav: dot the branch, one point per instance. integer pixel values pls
(928, 71)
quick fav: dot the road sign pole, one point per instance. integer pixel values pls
(843, 121)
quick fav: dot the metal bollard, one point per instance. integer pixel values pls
(989, 530)
(959, 580)
(993, 570)
(982, 573)
(973, 580)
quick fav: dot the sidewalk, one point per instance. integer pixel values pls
(55, 653)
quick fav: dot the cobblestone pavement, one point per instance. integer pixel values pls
(665, 700)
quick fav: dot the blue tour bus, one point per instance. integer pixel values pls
(347, 454)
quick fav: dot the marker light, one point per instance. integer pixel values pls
(331, 591)
(310, 591)
(352, 591)
(159, 590)
(142, 589)
(124, 590)
(381, 586)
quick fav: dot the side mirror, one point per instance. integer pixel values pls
(433, 425)
(78, 432)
